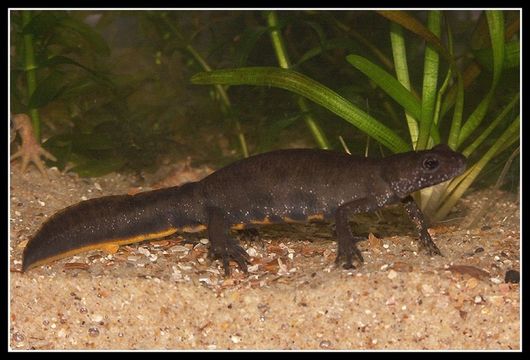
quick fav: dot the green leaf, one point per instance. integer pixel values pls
(497, 121)
(511, 56)
(462, 182)
(98, 44)
(399, 53)
(60, 60)
(42, 23)
(412, 24)
(430, 82)
(388, 84)
(47, 90)
(339, 43)
(496, 28)
(311, 89)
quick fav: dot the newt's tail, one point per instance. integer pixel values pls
(103, 223)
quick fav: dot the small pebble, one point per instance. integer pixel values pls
(179, 248)
(18, 337)
(471, 283)
(325, 344)
(392, 274)
(427, 289)
(235, 339)
(93, 331)
(496, 280)
(144, 251)
(252, 252)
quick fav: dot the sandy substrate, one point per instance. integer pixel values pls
(168, 295)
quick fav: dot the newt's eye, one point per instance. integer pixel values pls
(430, 164)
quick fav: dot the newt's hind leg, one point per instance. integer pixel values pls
(347, 242)
(222, 246)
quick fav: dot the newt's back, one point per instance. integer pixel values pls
(291, 184)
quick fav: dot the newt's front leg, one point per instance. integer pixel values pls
(30, 150)
(417, 218)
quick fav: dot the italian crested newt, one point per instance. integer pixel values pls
(295, 185)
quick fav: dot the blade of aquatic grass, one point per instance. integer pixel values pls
(302, 85)
(456, 123)
(285, 63)
(387, 83)
(460, 184)
(225, 100)
(412, 24)
(473, 70)
(399, 53)
(430, 81)
(31, 75)
(496, 28)
(480, 139)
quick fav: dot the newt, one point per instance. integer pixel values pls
(283, 186)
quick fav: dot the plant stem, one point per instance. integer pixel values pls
(31, 76)
(223, 95)
(283, 61)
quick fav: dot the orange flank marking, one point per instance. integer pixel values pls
(111, 246)
(265, 221)
(240, 226)
(192, 229)
(316, 217)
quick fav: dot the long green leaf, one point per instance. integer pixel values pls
(283, 61)
(311, 89)
(511, 56)
(480, 139)
(399, 53)
(430, 81)
(96, 41)
(496, 28)
(412, 24)
(388, 83)
(456, 122)
(338, 43)
(47, 90)
(465, 180)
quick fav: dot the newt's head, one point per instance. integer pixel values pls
(413, 171)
